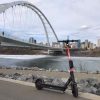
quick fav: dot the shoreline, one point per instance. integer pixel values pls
(49, 73)
(87, 82)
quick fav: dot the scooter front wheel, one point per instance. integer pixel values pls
(38, 84)
(75, 90)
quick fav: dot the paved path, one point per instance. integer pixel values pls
(12, 91)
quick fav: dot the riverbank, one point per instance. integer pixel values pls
(7, 50)
(87, 82)
(86, 53)
(48, 73)
(29, 51)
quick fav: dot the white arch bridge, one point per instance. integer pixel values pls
(10, 41)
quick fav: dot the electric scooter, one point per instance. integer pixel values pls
(40, 84)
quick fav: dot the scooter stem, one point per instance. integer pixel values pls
(68, 53)
(71, 66)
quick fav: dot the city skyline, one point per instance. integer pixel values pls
(78, 19)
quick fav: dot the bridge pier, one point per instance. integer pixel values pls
(55, 52)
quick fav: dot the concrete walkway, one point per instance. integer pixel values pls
(15, 91)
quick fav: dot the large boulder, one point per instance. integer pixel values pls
(22, 78)
(90, 89)
(89, 85)
(58, 82)
(97, 85)
(92, 81)
(2, 75)
(98, 92)
(88, 82)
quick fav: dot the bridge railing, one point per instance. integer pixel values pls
(26, 41)
(18, 39)
(13, 37)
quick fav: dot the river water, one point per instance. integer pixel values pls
(50, 62)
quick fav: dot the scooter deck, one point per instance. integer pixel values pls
(61, 88)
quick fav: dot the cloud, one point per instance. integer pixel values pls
(68, 16)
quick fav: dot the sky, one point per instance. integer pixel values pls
(78, 19)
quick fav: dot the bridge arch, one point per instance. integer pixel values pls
(43, 18)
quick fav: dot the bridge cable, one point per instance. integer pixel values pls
(20, 15)
(13, 16)
(27, 15)
(39, 11)
(42, 20)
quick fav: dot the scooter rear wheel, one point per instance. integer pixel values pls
(75, 90)
(38, 84)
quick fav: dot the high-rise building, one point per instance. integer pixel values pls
(98, 42)
(32, 40)
(74, 45)
(83, 45)
(91, 45)
(79, 43)
(94, 46)
(86, 44)
(56, 44)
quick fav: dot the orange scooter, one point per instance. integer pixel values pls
(40, 84)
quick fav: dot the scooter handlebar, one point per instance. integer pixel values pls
(67, 41)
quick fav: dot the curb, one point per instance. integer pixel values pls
(18, 82)
(83, 95)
